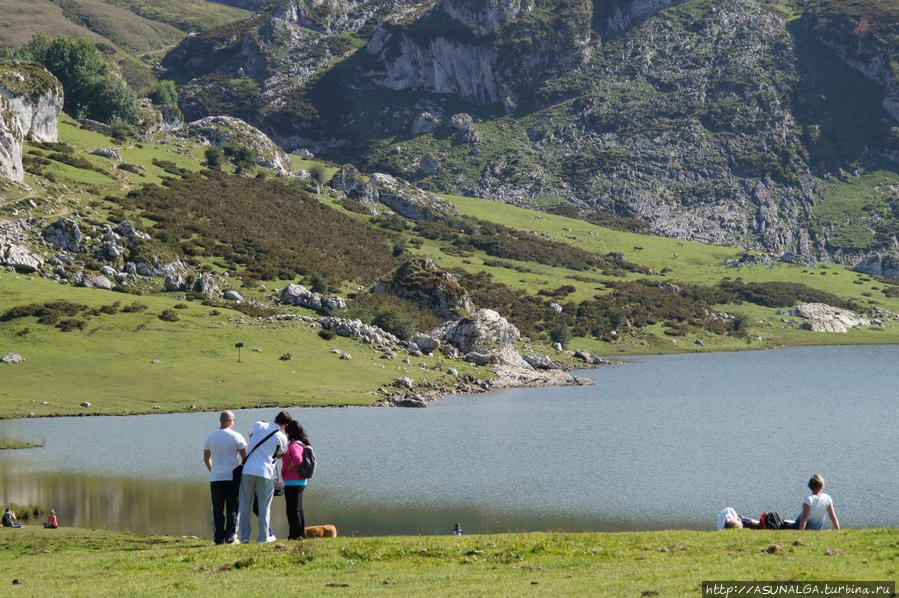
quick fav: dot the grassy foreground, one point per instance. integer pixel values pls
(72, 562)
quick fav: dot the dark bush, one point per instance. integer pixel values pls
(169, 315)
(560, 333)
(327, 334)
(396, 322)
(71, 324)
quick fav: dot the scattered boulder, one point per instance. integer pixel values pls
(108, 152)
(424, 123)
(821, 317)
(349, 180)
(408, 400)
(13, 253)
(65, 234)
(541, 362)
(406, 382)
(233, 296)
(371, 335)
(296, 294)
(86, 404)
(462, 122)
(426, 344)
(94, 282)
(428, 165)
(11, 358)
(126, 229)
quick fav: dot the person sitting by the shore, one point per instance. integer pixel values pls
(9, 519)
(814, 507)
(729, 518)
(457, 530)
(52, 522)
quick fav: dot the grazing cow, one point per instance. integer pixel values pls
(321, 531)
(681, 243)
(638, 248)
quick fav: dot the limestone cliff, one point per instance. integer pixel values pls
(30, 102)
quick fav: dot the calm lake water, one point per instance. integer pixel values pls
(661, 442)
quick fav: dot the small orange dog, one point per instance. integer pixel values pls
(321, 531)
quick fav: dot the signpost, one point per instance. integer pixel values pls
(238, 345)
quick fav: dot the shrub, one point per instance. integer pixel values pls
(215, 157)
(327, 334)
(560, 333)
(396, 322)
(169, 315)
(318, 283)
(71, 324)
(134, 308)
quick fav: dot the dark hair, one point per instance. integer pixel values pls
(295, 431)
(283, 418)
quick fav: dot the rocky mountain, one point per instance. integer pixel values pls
(30, 102)
(725, 122)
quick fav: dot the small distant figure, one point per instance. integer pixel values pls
(52, 522)
(815, 506)
(9, 519)
(729, 519)
(457, 530)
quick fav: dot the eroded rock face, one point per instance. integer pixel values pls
(65, 234)
(405, 199)
(826, 318)
(879, 265)
(30, 102)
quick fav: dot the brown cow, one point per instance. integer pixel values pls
(638, 248)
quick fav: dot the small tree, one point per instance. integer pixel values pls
(396, 322)
(215, 157)
(560, 333)
(165, 94)
(319, 283)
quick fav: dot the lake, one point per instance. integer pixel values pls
(661, 442)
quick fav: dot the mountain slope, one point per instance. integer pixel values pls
(715, 121)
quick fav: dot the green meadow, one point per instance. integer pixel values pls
(71, 562)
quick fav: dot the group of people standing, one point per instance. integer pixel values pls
(815, 506)
(233, 500)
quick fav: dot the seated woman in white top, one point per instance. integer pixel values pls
(815, 506)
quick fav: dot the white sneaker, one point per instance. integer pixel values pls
(269, 539)
(232, 541)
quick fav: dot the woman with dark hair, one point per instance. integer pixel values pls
(293, 483)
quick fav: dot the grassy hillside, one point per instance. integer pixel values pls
(66, 562)
(619, 292)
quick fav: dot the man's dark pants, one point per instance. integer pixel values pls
(224, 510)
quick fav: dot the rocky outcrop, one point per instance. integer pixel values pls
(14, 252)
(488, 339)
(64, 234)
(405, 199)
(296, 294)
(879, 265)
(821, 317)
(225, 130)
(30, 102)
(348, 179)
(35, 98)
(420, 281)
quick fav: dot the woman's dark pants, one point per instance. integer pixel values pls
(293, 496)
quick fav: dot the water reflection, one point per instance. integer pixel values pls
(665, 442)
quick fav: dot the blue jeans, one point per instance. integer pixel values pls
(263, 489)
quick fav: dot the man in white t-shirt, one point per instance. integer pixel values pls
(267, 443)
(224, 450)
